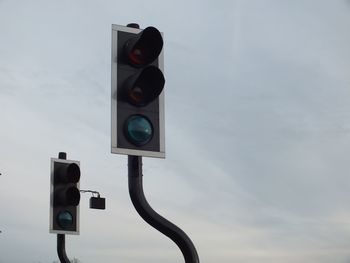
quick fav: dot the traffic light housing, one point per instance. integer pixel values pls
(64, 196)
(137, 92)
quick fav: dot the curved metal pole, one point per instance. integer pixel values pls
(153, 218)
(61, 238)
(61, 248)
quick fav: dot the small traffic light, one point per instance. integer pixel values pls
(64, 196)
(137, 92)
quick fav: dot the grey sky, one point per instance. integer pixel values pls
(257, 130)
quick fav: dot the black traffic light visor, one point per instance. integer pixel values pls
(73, 173)
(143, 87)
(144, 48)
(68, 196)
(72, 196)
(68, 173)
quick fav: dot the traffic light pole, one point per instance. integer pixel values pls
(152, 217)
(61, 248)
(61, 238)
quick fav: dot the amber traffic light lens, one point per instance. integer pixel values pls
(142, 88)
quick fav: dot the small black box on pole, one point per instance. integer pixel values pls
(98, 203)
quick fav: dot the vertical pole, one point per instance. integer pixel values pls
(152, 217)
(61, 238)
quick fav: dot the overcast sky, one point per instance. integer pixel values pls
(257, 101)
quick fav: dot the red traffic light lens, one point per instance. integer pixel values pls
(138, 56)
(144, 48)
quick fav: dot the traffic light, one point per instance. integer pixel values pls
(64, 196)
(137, 92)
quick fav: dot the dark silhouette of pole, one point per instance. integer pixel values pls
(152, 217)
(61, 238)
(61, 248)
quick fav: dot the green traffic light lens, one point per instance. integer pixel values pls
(139, 130)
(65, 219)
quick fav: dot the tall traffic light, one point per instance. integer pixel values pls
(137, 92)
(64, 196)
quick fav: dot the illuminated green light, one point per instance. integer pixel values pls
(139, 130)
(65, 219)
